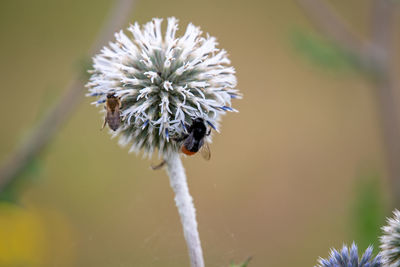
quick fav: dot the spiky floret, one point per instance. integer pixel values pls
(349, 258)
(163, 82)
(390, 241)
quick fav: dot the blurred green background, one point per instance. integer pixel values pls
(299, 170)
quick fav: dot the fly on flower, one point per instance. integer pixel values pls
(193, 141)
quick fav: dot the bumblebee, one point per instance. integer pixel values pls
(193, 141)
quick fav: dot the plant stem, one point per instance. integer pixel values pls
(187, 212)
(55, 117)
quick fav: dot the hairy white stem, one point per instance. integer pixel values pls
(187, 212)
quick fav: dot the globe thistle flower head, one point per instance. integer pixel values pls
(163, 82)
(390, 241)
(349, 258)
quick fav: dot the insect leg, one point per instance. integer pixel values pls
(104, 124)
(179, 139)
(187, 126)
(159, 166)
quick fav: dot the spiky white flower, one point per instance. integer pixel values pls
(163, 82)
(349, 258)
(390, 241)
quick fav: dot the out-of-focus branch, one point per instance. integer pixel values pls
(376, 54)
(42, 133)
(382, 26)
(328, 21)
(382, 52)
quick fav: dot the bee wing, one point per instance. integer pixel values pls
(189, 142)
(113, 120)
(205, 151)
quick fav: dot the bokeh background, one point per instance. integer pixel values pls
(302, 168)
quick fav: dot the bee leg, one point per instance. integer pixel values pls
(209, 132)
(104, 124)
(179, 139)
(159, 166)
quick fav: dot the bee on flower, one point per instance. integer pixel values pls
(165, 83)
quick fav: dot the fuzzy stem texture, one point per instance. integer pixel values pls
(187, 212)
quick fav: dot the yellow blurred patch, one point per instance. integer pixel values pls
(22, 237)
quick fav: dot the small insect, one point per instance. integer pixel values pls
(193, 141)
(112, 117)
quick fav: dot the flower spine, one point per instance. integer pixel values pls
(163, 82)
(390, 241)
